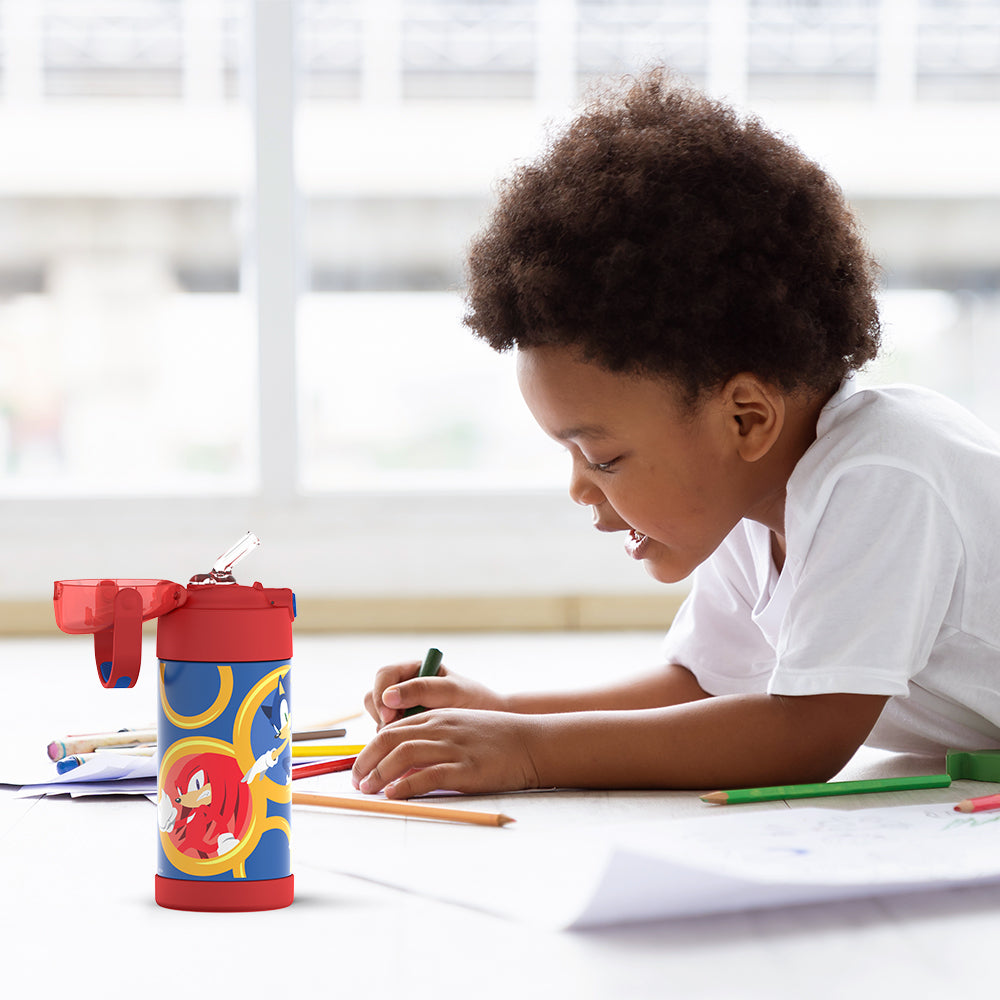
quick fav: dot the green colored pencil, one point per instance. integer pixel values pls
(828, 788)
(429, 668)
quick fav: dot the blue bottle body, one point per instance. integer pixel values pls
(224, 788)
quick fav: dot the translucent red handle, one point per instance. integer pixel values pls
(118, 648)
(114, 610)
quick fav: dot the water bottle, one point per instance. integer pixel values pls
(224, 725)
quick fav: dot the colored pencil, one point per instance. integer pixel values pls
(80, 743)
(71, 745)
(979, 804)
(740, 795)
(318, 734)
(70, 763)
(328, 750)
(322, 767)
(393, 807)
(429, 668)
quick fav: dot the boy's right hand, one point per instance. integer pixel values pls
(398, 688)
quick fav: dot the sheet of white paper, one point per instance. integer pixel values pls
(79, 789)
(114, 773)
(127, 786)
(657, 869)
(791, 856)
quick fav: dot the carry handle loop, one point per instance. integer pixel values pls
(118, 648)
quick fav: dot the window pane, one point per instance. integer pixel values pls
(944, 340)
(396, 393)
(409, 112)
(128, 351)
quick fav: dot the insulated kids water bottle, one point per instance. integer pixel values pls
(224, 727)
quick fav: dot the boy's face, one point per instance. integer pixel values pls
(675, 481)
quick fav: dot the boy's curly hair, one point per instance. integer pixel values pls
(661, 234)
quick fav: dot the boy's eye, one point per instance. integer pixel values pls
(602, 466)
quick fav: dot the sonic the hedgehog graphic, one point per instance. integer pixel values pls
(276, 710)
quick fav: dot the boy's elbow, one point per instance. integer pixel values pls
(827, 730)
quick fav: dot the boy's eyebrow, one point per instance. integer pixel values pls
(591, 431)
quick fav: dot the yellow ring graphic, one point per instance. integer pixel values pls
(211, 713)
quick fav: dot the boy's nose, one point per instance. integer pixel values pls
(582, 489)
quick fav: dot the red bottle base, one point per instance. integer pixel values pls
(260, 894)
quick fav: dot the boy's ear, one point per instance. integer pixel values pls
(755, 411)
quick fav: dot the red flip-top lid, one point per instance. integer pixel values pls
(114, 610)
(221, 623)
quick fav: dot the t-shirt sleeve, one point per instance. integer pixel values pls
(874, 588)
(713, 634)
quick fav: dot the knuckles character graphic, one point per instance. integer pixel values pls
(203, 806)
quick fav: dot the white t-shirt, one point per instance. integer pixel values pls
(891, 582)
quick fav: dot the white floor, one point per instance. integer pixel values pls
(76, 875)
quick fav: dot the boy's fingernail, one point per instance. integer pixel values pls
(390, 697)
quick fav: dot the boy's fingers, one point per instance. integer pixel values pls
(397, 672)
(377, 711)
(421, 782)
(392, 697)
(431, 692)
(373, 775)
(388, 679)
(371, 760)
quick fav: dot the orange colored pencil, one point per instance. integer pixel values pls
(393, 807)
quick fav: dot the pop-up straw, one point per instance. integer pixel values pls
(222, 571)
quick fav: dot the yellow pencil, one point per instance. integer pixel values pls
(327, 749)
(393, 807)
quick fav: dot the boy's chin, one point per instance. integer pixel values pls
(666, 574)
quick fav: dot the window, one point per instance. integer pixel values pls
(232, 247)
(128, 345)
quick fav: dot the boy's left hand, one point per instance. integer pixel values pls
(460, 750)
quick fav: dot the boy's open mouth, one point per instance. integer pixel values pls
(635, 544)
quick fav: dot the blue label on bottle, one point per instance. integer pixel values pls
(224, 792)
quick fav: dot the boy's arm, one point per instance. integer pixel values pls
(670, 684)
(397, 688)
(729, 741)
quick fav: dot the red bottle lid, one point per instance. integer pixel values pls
(221, 623)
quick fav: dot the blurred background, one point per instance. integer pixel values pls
(231, 247)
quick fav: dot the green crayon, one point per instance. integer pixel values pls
(429, 668)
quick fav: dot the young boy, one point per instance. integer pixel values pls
(688, 296)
